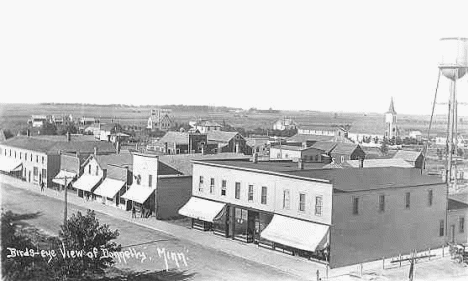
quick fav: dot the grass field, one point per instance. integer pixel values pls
(15, 116)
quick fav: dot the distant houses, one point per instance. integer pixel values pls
(205, 126)
(285, 123)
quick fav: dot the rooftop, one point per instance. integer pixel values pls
(373, 163)
(207, 123)
(454, 204)
(122, 159)
(307, 137)
(407, 155)
(52, 145)
(344, 180)
(345, 148)
(221, 136)
(327, 147)
(183, 164)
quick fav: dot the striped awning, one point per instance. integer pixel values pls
(202, 209)
(299, 234)
(60, 177)
(138, 193)
(86, 182)
(109, 188)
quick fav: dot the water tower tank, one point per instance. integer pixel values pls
(454, 59)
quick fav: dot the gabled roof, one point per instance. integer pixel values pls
(221, 136)
(108, 126)
(407, 155)
(2, 136)
(345, 148)
(175, 137)
(454, 204)
(307, 137)
(290, 147)
(51, 146)
(183, 164)
(123, 159)
(327, 147)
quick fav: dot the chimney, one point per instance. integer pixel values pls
(68, 136)
(255, 158)
(95, 151)
(361, 163)
(77, 154)
(304, 144)
(300, 164)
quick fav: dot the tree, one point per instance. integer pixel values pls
(48, 129)
(85, 233)
(63, 129)
(384, 146)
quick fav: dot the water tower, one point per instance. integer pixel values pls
(453, 65)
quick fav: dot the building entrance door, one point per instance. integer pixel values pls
(452, 233)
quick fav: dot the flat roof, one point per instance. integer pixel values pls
(344, 180)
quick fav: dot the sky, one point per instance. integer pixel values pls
(340, 56)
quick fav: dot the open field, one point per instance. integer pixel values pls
(15, 116)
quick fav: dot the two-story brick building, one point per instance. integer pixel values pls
(343, 216)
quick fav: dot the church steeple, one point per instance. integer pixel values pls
(391, 108)
(391, 129)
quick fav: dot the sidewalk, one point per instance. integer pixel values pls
(295, 266)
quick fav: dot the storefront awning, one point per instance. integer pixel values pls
(296, 233)
(86, 182)
(138, 193)
(10, 164)
(60, 177)
(201, 209)
(109, 188)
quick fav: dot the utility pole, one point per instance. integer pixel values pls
(65, 205)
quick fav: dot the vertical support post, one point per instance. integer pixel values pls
(383, 262)
(327, 271)
(65, 203)
(399, 258)
(429, 253)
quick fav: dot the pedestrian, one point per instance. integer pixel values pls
(42, 186)
(142, 212)
(133, 212)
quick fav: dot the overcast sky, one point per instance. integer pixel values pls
(316, 55)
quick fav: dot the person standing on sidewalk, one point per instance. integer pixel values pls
(42, 186)
(133, 212)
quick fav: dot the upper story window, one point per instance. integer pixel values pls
(430, 197)
(97, 170)
(461, 225)
(212, 184)
(381, 203)
(302, 202)
(251, 192)
(37, 158)
(150, 180)
(342, 159)
(26, 156)
(10, 152)
(237, 190)
(286, 199)
(318, 205)
(89, 169)
(264, 195)
(42, 159)
(21, 155)
(441, 228)
(223, 188)
(15, 154)
(31, 157)
(200, 184)
(355, 205)
(407, 200)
